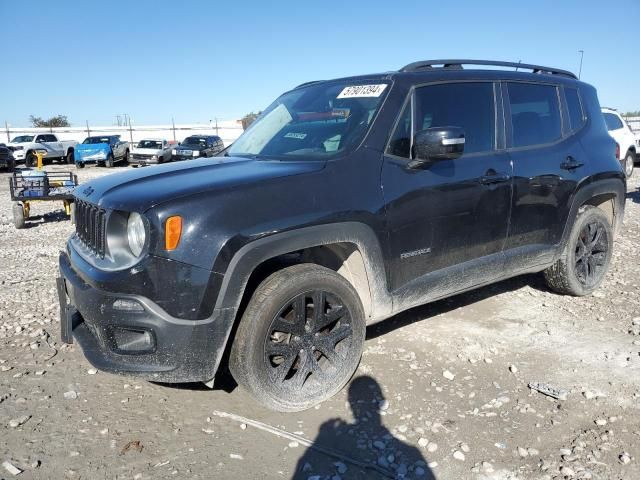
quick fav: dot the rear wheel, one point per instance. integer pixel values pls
(629, 163)
(300, 339)
(586, 257)
(19, 220)
(126, 156)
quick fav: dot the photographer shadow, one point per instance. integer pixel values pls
(373, 450)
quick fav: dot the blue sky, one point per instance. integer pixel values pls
(196, 60)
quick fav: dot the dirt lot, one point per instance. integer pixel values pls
(442, 390)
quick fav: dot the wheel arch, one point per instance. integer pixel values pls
(606, 194)
(350, 248)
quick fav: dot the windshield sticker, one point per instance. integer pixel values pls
(299, 136)
(356, 91)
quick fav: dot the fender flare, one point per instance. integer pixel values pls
(613, 187)
(248, 257)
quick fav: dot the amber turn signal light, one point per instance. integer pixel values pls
(172, 232)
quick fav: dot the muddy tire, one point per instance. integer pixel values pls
(19, 220)
(300, 339)
(586, 257)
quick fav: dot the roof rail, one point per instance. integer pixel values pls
(456, 64)
(308, 83)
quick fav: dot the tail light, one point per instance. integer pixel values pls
(618, 151)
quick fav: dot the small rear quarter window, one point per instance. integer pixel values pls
(576, 114)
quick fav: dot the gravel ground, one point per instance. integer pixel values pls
(442, 390)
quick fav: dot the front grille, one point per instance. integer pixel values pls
(138, 156)
(91, 222)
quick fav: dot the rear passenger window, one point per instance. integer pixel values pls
(574, 106)
(470, 106)
(612, 121)
(535, 114)
(400, 142)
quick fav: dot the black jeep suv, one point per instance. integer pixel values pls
(346, 202)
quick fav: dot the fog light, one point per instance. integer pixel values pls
(126, 305)
(134, 341)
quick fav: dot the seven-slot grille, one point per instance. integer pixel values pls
(91, 222)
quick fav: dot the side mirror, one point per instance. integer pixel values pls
(437, 143)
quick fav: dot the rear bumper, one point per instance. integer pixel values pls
(147, 342)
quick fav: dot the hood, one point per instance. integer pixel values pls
(91, 148)
(140, 189)
(147, 151)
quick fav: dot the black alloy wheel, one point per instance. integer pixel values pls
(308, 341)
(591, 254)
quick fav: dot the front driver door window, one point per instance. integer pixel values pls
(448, 212)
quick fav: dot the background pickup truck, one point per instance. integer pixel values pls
(104, 150)
(25, 147)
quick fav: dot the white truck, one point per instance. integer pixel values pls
(623, 135)
(150, 151)
(25, 147)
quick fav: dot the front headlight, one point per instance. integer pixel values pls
(136, 233)
(196, 153)
(154, 157)
(173, 152)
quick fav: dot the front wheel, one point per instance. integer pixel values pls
(586, 257)
(80, 165)
(70, 157)
(629, 163)
(19, 218)
(109, 162)
(300, 339)
(30, 160)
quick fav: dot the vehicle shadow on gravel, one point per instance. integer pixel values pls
(364, 449)
(634, 196)
(424, 312)
(52, 217)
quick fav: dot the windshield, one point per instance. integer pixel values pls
(319, 121)
(91, 140)
(150, 144)
(195, 141)
(23, 139)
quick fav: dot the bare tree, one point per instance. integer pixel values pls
(57, 121)
(248, 119)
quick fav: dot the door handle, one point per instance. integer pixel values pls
(570, 164)
(494, 178)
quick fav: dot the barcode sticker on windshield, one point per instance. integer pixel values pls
(299, 136)
(362, 91)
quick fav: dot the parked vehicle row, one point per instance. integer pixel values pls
(107, 150)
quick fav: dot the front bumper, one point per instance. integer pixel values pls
(168, 349)
(19, 154)
(142, 161)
